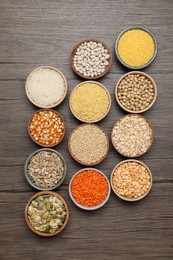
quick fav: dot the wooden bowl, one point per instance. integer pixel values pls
(78, 160)
(54, 104)
(152, 137)
(29, 179)
(46, 145)
(124, 197)
(117, 42)
(74, 52)
(85, 207)
(91, 121)
(28, 221)
(146, 76)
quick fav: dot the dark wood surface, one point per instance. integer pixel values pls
(34, 33)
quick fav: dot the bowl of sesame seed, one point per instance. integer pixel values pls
(45, 169)
(131, 180)
(46, 127)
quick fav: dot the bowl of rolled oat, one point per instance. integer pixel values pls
(131, 180)
(45, 169)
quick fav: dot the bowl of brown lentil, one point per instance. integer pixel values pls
(89, 189)
(136, 47)
(132, 135)
(131, 180)
(91, 59)
(45, 169)
(46, 87)
(90, 102)
(46, 213)
(136, 92)
(46, 127)
(88, 144)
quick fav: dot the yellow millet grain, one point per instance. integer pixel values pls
(89, 102)
(136, 47)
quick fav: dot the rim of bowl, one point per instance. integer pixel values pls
(145, 75)
(65, 87)
(77, 160)
(46, 109)
(27, 219)
(152, 136)
(109, 98)
(28, 178)
(85, 207)
(74, 52)
(125, 198)
(133, 28)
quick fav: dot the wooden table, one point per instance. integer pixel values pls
(34, 33)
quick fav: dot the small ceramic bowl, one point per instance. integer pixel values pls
(29, 178)
(88, 149)
(37, 130)
(89, 77)
(117, 42)
(87, 207)
(57, 100)
(44, 234)
(87, 89)
(121, 143)
(148, 78)
(115, 189)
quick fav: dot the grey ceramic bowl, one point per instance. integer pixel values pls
(116, 47)
(29, 179)
(85, 207)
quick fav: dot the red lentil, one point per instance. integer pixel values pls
(46, 127)
(89, 188)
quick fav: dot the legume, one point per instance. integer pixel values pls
(90, 101)
(88, 144)
(132, 135)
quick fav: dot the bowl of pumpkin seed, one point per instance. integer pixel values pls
(46, 213)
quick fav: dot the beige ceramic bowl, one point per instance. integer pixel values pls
(125, 197)
(28, 221)
(147, 77)
(74, 52)
(29, 95)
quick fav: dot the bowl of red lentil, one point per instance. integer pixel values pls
(136, 47)
(132, 135)
(89, 189)
(136, 92)
(88, 144)
(45, 169)
(46, 127)
(131, 180)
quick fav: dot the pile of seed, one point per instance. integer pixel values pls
(131, 180)
(47, 127)
(135, 92)
(46, 169)
(132, 135)
(90, 101)
(91, 59)
(88, 144)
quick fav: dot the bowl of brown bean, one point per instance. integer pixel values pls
(91, 59)
(131, 180)
(132, 135)
(45, 169)
(136, 92)
(46, 213)
(46, 127)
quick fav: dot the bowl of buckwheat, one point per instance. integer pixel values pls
(131, 180)
(45, 169)
(91, 59)
(136, 92)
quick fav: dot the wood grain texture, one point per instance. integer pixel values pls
(34, 33)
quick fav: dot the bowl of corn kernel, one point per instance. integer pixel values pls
(136, 47)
